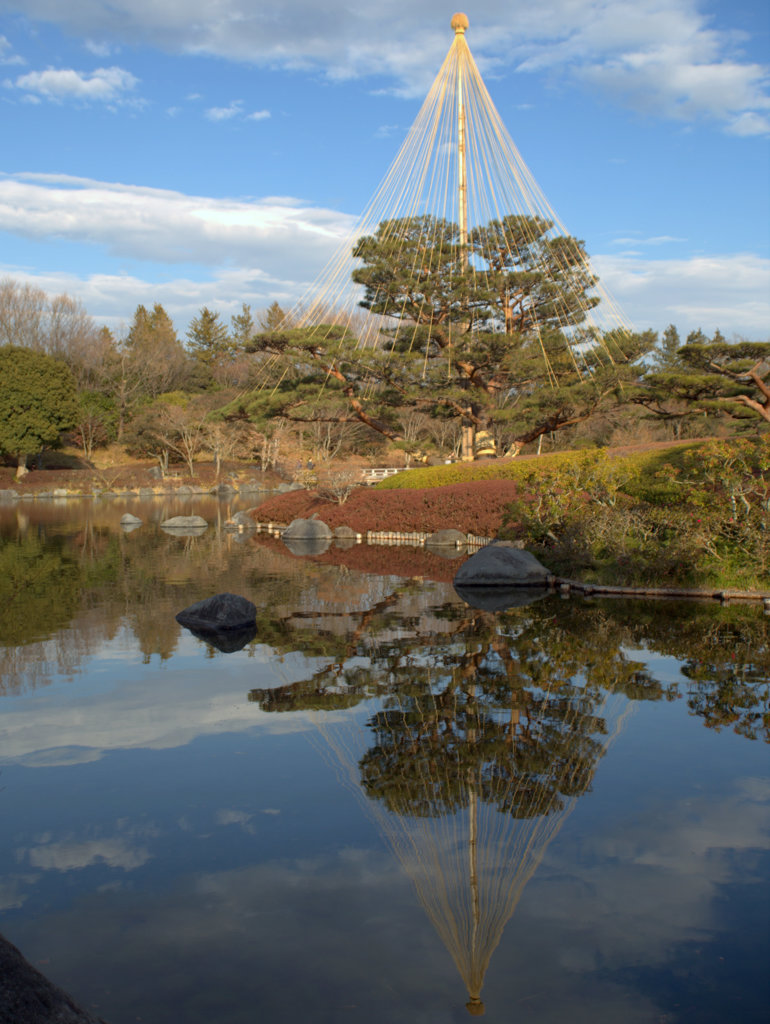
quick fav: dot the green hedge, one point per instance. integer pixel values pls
(645, 466)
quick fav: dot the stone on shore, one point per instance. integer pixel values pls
(501, 564)
(307, 529)
(28, 997)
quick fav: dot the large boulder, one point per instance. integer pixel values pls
(307, 529)
(28, 997)
(501, 564)
(221, 612)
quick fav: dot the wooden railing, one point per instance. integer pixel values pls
(374, 475)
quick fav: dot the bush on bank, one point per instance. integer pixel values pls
(697, 515)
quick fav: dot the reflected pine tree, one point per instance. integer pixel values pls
(489, 728)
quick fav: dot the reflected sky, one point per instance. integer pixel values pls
(174, 848)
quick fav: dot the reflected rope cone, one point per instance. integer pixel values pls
(470, 829)
(455, 184)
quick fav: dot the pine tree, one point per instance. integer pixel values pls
(209, 340)
(242, 327)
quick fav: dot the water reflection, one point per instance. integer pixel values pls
(469, 736)
(482, 744)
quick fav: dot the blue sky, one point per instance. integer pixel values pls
(199, 153)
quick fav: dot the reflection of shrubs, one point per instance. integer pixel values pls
(701, 515)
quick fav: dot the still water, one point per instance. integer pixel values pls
(388, 806)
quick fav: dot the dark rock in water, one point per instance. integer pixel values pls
(28, 997)
(226, 640)
(305, 529)
(500, 564)
(304, 546)
(219, 614)
(184, 523)
(447, 538)
(497, 599)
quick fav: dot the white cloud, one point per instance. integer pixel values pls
(235, 109)
(6, 56)
(104, 85)
(749, 123)
(664, 56)
(654, 240)
(281, 239)
(730, 291)
(99, 49)
(258, 250)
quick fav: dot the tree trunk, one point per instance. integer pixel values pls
(21, 467)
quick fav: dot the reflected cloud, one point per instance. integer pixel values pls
(652, 882)
(154, 708)
(72, 856)
(232, 817)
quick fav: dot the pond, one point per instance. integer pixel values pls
(387, 805)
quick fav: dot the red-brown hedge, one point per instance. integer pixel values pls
(475, 507)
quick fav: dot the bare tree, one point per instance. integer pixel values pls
(23, 310)
(182, 431)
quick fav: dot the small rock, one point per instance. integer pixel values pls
(447, 538)
(183, 522)
(127, 519)
(306, 529)
(344, 533)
